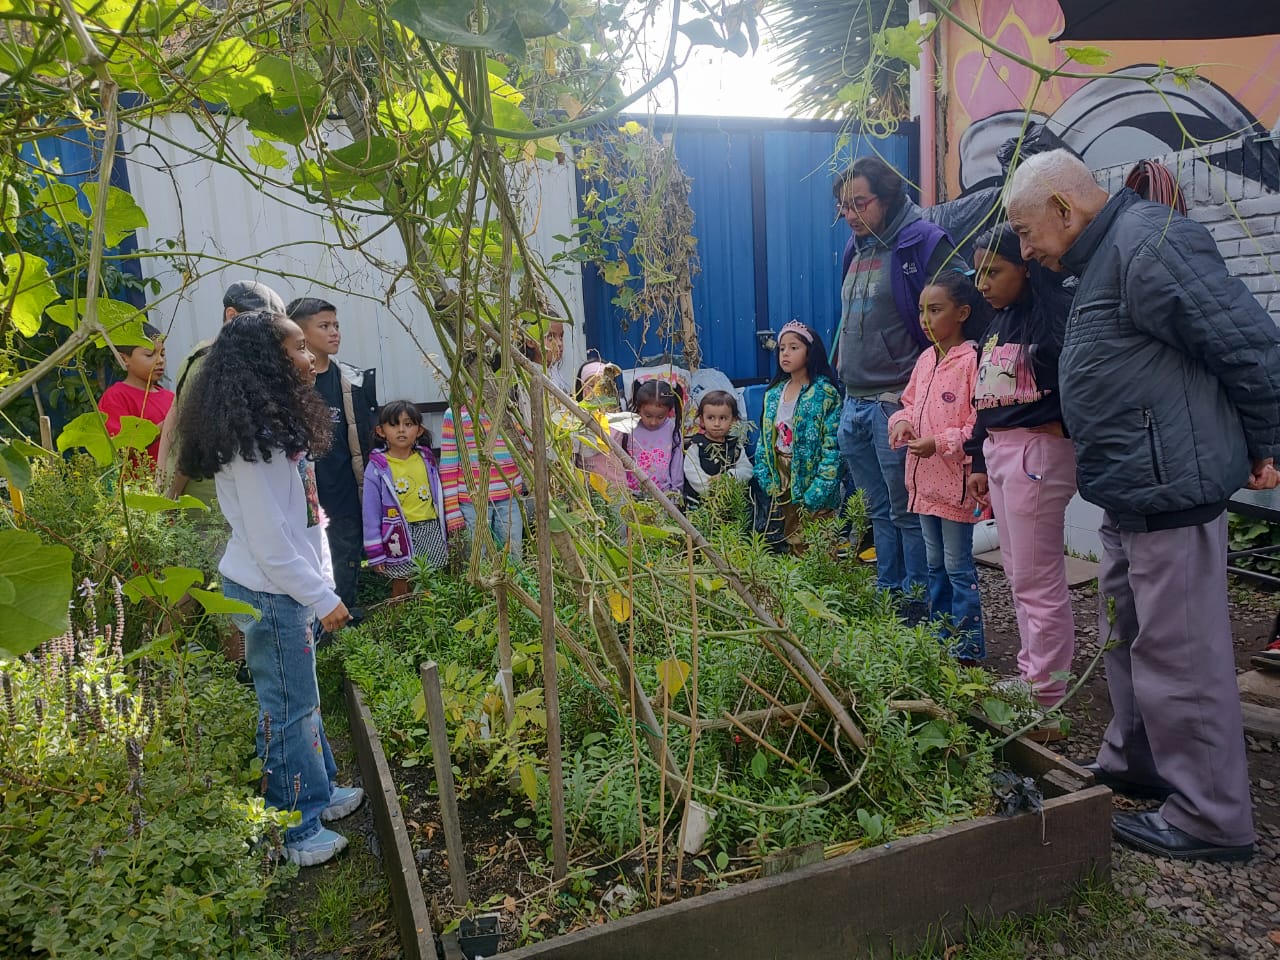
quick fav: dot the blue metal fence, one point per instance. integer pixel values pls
(768, 239)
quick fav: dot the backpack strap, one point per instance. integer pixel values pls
(353, 433)
(908, 272)
(200, 352)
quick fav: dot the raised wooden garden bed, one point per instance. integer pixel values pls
(895, 897)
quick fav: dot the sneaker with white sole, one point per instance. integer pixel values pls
(343, 802)
(318, 848)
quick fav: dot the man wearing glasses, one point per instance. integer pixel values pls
(889, 259)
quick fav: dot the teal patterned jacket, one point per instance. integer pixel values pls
(815, 455)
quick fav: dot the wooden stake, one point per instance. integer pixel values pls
(442, 760)
(546, 597)
(46, 433)
(504, 651)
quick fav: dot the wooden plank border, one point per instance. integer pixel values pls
(872, 903)
(407, 901)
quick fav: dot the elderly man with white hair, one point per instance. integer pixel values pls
(1170, 378)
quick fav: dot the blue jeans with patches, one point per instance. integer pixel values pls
(297, 764)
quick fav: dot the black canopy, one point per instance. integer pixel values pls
(1168, 19)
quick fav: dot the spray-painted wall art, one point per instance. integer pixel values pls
(1114, 119)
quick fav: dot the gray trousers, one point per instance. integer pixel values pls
(1172, 678)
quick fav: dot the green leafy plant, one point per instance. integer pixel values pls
(123, 805)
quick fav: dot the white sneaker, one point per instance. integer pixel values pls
(1014, 687)
(343, 802)
(318, 848)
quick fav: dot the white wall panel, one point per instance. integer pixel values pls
(229, 230)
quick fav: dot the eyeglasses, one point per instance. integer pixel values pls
(857, 204)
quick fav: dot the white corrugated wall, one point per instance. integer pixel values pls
(214, 226)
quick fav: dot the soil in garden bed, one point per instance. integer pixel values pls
(509, 870)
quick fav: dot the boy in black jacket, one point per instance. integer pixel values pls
(340, 472)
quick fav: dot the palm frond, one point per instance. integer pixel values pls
(826, 44)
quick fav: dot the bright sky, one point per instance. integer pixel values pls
(715, 82)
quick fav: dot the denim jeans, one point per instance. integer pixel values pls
(953, 584)
(296, 762)
(881, 474)
(506, 523)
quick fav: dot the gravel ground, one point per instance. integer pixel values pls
(1229, 910)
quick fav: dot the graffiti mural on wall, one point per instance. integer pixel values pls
(1114, 119)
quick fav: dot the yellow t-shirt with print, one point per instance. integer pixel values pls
(413, 487)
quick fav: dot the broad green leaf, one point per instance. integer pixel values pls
(37, 578)
(154, 503)
(292, 86)
(901, 43)
(168, 587)
(855, 93)
(446, 21)
(135, 434)
(934, 735)
(88, 430)
(122, 321)
(759, 765)
(999, 712)
(466, 625)
(27, 291)
(529, 782)
(268, 155)
(617, 559)
(31, 449)
(61, 202)
(508, 116)
(215, 602)
(286, 126)
(1089, 56)
(672, 674)
(226, 72)
(14, 467)
(649, 532)
(814, 606)
(360, 156)
(122, 217)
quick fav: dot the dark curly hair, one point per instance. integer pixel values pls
(249, 400)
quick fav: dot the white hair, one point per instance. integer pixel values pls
(1056, 172)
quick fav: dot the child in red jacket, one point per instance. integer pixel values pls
(139, 393)
(936, 419)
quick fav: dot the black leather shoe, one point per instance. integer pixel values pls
(1138, 791)
(1151, 833)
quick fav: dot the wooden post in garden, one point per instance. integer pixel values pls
(443, 763)
(547, 609)
(504, 651)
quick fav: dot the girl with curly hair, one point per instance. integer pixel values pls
(250, 420)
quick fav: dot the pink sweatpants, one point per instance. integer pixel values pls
(1032, 476)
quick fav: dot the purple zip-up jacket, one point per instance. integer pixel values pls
(386, 534)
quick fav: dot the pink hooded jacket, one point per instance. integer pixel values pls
(938, 403)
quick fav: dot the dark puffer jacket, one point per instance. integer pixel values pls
(1170, 369)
